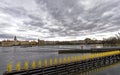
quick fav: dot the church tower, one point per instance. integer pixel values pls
(15, 38)
(16, 42)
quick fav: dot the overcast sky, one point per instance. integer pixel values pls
(59, 19)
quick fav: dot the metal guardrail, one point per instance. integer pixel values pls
(72, 65)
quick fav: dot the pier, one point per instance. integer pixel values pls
(92, 50)
(66, 65)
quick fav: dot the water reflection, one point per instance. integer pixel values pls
(108, 70)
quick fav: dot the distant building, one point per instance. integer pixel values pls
(7, 43)
(41, 42)
(14, 42)
(33, 43)
(24, 42)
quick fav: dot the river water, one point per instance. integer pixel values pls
(15, 54)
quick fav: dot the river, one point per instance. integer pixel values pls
(15, 54)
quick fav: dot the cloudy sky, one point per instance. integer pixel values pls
(59, 19)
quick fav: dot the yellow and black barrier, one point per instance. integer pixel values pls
(65, 65)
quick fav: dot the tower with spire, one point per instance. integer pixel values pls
(16, 42)
(15, 38)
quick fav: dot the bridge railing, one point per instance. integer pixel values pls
(55, 61)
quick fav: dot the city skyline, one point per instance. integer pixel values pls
(59, 19)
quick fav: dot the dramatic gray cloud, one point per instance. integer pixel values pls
(59, 19)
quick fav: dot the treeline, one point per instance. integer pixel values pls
(92, 41)
(112, 41)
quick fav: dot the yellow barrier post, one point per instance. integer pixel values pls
(91, 56)
(87, 57)
(83, 57)
(26, 66)
(64, 60)
(18, 66)
(60, 60)
(69, 59)
(45, 63)
(9, 67)
(51, 62)
(55, 61)
(73, 59)
(94, 55)
(33, 65)
(78, 57)
(39, 64)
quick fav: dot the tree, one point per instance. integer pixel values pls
(87, 41)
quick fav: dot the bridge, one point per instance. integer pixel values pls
(66, 65)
